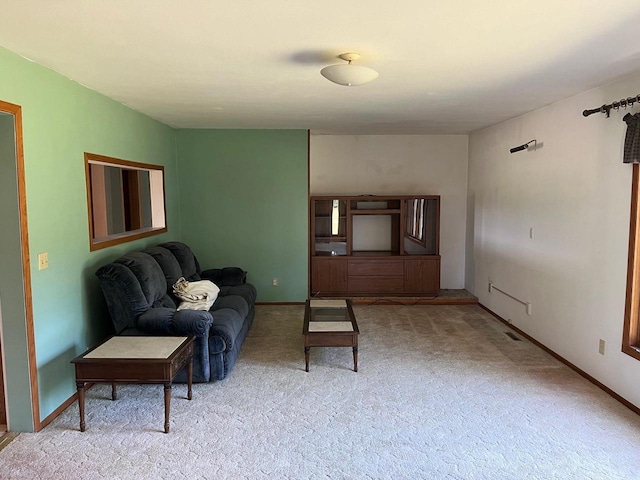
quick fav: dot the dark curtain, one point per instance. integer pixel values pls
(632, 139)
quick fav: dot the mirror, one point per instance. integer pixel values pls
(125, 200)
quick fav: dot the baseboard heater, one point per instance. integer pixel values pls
(527, 305)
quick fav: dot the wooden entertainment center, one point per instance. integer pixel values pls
(371, 245)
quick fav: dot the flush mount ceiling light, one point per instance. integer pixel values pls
(349, 75)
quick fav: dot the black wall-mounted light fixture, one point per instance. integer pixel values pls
(524, 146)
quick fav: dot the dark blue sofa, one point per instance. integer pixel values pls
(138, 291)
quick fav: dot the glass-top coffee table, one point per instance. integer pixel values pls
(330, 323)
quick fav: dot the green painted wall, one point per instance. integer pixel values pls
(62, 120)
(243, 202)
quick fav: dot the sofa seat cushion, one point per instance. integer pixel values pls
(233, 302)
(246, 291)
(227, 323)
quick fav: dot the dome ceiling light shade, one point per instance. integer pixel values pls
(349, 75)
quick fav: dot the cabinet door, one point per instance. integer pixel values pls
(422, 275)
(328, 275)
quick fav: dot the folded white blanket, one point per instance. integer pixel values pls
(198, 295)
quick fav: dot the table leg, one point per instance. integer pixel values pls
(189, 378)
(114, 395)
(355, 359)
(167, 405)
(306, 358)
(80, 386)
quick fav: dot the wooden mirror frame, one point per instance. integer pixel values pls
(98, 237)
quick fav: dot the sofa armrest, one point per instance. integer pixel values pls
(223, 277)
(167, 321)
(221, 339)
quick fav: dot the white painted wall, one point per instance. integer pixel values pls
(401, 165)
(575, 192)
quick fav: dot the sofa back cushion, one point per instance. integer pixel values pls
(133, 284)
(168, 263)
(186, 259)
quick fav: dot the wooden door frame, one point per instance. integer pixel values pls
(16, 111)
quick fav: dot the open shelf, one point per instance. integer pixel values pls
(367, 245)
(331, 239)
(373, 253)
(386, 211)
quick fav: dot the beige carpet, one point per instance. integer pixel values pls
(441, 393)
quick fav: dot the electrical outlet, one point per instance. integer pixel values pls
(274, 282)
(602, 346)
(43, 261)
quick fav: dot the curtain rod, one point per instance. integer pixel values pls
(624, 103)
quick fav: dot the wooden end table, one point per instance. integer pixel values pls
(330, 323)
(136, 359)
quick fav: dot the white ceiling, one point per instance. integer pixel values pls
(445, 66)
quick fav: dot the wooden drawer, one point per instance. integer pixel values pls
(181, 360)
(375, 284)
(377, 267)
(327, 340)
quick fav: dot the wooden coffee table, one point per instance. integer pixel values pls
(330, 323)
(137, 359)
